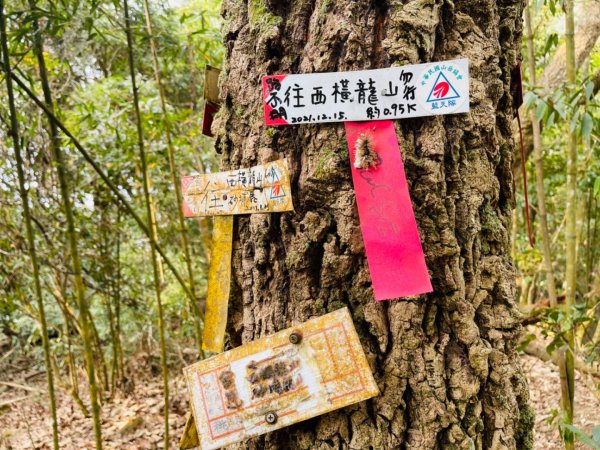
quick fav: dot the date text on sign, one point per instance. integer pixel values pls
(380, 94)
(259, 189)
(274, 382)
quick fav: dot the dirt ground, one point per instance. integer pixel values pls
(135, 421)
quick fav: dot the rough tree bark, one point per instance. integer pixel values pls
(446, 362)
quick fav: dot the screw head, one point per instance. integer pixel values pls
(295, 337)
(271, 417)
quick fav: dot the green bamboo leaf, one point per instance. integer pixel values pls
(551, 42)
(559, 107)
(551, 119)
(541, 109)
(529, 99)
(574, 120)
(589, 90)
(582, 437)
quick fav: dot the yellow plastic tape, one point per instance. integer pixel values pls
(219, 280)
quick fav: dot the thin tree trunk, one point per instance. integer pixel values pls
(446, 362)
(72, 237)
(14, 132)
(571, 224)
(98, 352)
(174, 178)
(107, 278)
(532, 293)
(193, 81)
(69, 323)
(539, 167)
(589, 250)
(151, 228)
(117, 297)
(113, 339)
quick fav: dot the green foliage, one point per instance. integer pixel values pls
(87, 63)
(591, 440)
(559, 321)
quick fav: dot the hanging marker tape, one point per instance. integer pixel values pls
(394, 253)
(219, 280)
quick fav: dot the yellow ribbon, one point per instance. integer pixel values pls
(219, 280)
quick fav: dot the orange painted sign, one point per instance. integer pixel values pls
(279, 380)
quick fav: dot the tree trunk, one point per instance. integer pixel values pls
(446, 362)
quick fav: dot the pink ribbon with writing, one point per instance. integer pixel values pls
(394, 252)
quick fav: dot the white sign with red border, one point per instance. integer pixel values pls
(381, 94)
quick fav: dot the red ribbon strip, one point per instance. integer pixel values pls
(394, 252)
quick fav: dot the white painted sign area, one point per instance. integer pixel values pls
(381, 94)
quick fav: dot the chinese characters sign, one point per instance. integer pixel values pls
(392, 93)
(276, 381)
(394, 253)
(259, 189)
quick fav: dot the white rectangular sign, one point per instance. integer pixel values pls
(393, 93)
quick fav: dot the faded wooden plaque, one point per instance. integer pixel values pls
(273, 382)
(260, 189)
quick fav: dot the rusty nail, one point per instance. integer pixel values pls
(271, 417)
(295, 337)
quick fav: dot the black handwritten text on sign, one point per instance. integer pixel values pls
(381, 94)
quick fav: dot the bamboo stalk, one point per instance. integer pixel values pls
(117, 296)
(539, 169)
(108, 296)
(72, 236)
(14, 131)
(174, 176)
(152, 235)
(571, 225)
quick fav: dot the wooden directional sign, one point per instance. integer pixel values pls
(279, 380)
(392, 93)
(260, 189)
